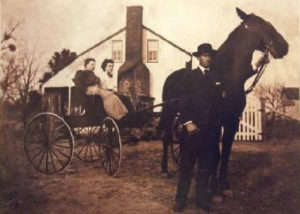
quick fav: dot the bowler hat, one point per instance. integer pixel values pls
(204, 48)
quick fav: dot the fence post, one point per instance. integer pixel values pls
(263, 119)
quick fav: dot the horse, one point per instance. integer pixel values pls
(232, 63)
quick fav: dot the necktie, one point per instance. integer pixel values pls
(205, 72)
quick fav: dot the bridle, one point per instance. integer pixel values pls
(262, 67)
(259, 73)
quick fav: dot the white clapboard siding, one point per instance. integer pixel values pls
(250, 127)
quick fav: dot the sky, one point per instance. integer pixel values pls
(51, 25)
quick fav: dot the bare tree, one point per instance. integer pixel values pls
(272, 95)
(7, 37)
(26, 82)
(274, 103)
(20, 73)
(19, 69)
(9, 67)
(10, 73)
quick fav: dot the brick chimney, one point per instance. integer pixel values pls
(134, 33)
(133, 75)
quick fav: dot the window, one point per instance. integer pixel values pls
(152, 51)
(117, 50)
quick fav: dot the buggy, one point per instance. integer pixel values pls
(80, 127)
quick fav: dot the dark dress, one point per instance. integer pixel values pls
(113, 106)
(84, 79)
(79, 97)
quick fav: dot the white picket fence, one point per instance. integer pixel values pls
(251, 123)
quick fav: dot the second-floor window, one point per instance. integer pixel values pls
(117, 50)
(152, 50)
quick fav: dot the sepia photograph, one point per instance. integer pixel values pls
(149, 107)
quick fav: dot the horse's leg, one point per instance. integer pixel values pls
(214, 185)
(216, 154)
(230, 128)
(166, 141)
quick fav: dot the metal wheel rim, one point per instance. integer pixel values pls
(53, 151)
(88, 151)
(106, 152)
(175, 142)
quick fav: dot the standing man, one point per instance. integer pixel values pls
(199, 116)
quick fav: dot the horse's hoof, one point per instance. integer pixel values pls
(227, 192)
(165, 174)
(217, 199)
(202, 211)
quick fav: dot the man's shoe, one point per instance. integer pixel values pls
(204, 207)
(178, 207)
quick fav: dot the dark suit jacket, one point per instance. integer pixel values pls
(203, 94)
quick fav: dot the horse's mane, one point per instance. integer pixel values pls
(224, 56)
(233, 59)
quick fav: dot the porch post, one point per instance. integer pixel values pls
(69, 100)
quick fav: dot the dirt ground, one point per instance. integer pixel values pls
(264, 177)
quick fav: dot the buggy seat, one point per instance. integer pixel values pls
(85, 110)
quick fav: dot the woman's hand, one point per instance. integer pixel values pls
(91, 90)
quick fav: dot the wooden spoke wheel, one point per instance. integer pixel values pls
(48, 143)
(110, 146)
(86, 143)
(176, 140)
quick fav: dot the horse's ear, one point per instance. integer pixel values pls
(241, 14)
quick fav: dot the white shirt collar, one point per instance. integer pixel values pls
(202, 68)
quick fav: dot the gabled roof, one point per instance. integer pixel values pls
(64, 77)
(291, 93)
(168, 41)
(104, 40)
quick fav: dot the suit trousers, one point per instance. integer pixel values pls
(197, 148)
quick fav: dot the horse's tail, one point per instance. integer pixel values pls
(168, 112)
(172, 89)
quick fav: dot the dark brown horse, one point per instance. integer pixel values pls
(233, 65)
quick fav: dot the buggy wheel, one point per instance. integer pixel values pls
(86, 143)
(48, 143)
(110, 146)
(176, 140)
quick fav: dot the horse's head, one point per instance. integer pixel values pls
(267, 35)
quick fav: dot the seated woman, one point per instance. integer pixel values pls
(106, 75)
(109, 83)
(87, 81)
